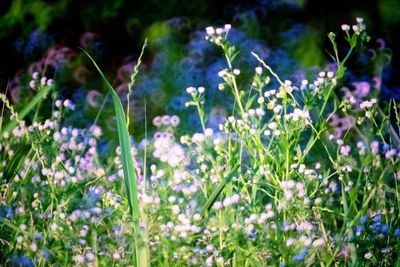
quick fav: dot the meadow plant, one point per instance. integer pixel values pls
(299, 173)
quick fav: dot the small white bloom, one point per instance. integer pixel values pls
(345, 27)
(210, 30)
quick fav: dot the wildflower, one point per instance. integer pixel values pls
(116, 256)
(289, 242)
(208, 132)
(272, 125)
(198, 137)
(43, 80)
(396, 233)
(53, 226)
(345, 27)
(19, 239)
(33, 247)
(165, 120)
(301, 255)
(318, 242)
(217, 205)
(210, 30)
(90, 256)
(191, 90)
(32, 84)
(175, 120)
(368, 255)
(259, 70)
(220, 260)
(345, 150)
(209, 261)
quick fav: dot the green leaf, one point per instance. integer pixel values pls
(13, 166)
(211, 200)
(141, 252)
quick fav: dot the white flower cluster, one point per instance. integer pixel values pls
(323, 79)
(299, 114)
(214, 35)
(167, 150)
(229, 201)
(357, 28)
(292, 188)
(194, 91)
(180, 229)
(368, 103)
(66, 103)
(255, 220)
(43, 81)
(166, 120)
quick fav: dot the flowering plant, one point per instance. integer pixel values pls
(276, 184)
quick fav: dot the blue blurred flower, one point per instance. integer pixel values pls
(363, 219)
(397, 233)
(21, 261)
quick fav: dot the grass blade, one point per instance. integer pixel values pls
(141, 251)
(14, 165)
(27, 108)
(214, 195)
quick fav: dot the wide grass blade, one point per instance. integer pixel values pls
(14, 165)
(141, 251)
(214, 195)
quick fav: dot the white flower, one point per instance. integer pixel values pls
(198, 137)
(191, 90)
(345, 27)
(217, 205)
(220, 260)
(209, 261)
(259, 70)
(210, 30)
(197, 217)
(20, 239)
(157, 121)
(116, 256)
(33, 247)
(289, 242)
(208, 132)
(368, 255)
(318, 242)
(272, 125)
(175, 120)
(53, 226)
(32, 84)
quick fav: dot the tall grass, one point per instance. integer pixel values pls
(130, 176)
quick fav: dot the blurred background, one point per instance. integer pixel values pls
(291, 35)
